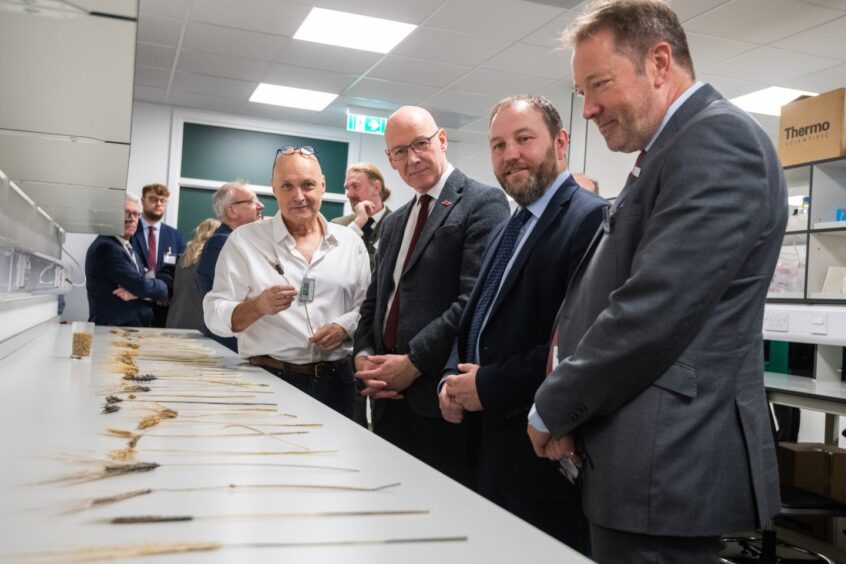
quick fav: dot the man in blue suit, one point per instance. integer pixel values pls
(158, 246)
(118, 293)
(500, 355)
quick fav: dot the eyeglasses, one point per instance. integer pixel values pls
(157, 200)
(131, 215)
(306, 150)
(250, 201)
(400, 152)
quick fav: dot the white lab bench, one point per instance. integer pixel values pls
(50, 419)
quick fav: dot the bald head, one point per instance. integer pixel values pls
(416, 147)
(298, 184)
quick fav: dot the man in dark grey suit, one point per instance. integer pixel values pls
(366, 192)
(499, 358)
(659, 389)
(426, 266)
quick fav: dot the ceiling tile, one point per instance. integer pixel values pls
(326, 57)
(707, 50)
(499, 84)
(123, 8)
(457, 150)
(505, 19)
(268, 16)
(759, 21)
(397, 92)
(531, 60)
(213, 64)
(464, 102)
(154, 55)
(311, 79)
(770, 65)
(417, 71)
(233, 42)
(730, 87)
(450, 119)
(819, 40)
(449, 47)
(213, 86)
(152, 76)
(168, 8)
(549, 34)
(161, 31)
(481, 125)
(687, 9)
(822, 81)
(407, 12)
(468, 136)
(277, 113)
(833, 4)
(380, 106)
(203, 101)
(149, 94)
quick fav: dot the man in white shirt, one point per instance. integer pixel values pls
(304, 280)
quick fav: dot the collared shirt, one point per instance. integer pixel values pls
(377, 217)
(128, 248)
(340, 268)
(435, 193)
(536, 208)
(157, 227)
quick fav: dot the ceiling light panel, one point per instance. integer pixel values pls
(292, 97)
(354, 31)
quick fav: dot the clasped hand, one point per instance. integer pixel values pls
(385, 375)
(459, 394)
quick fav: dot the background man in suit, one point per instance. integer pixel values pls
(367, 192)
(499, 358)
(660, 332)
(425, 268)
(114, 282)
(157, 245)
(234, 205)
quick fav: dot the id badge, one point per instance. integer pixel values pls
(307, 290)
(169, 258)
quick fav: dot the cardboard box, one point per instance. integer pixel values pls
(812, 129)
(804, 465)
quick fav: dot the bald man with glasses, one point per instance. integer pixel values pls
(426, 267)
(289, 288)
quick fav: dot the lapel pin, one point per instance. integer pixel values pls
(446, 203)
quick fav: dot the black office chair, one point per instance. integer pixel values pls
(767, 549)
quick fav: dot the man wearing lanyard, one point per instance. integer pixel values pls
(156, 244)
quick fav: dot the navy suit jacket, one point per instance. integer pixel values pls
(169, 238)
(205, 276)
(514, 343)
(107, 266)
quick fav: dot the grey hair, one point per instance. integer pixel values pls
(223, 197)
(130, 197)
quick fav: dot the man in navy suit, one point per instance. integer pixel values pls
(235, 204)
(118, 293)
(499, 358)
(158, 246)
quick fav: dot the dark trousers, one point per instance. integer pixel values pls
(338, 392)
(441, 445)
(611, 546)
(562, 519)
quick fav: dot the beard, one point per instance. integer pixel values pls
(540, 177)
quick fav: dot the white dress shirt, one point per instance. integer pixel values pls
(377, 217)
(340, 268)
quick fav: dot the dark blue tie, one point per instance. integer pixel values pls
(489, 290)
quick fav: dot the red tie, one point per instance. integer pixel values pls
(151, 249)
(390, 335)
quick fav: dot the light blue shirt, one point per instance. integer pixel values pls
(536, 208)
(534, 416)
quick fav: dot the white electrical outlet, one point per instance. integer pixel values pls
(776, 321)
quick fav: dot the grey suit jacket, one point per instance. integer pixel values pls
(435, 285)
(371, 242)
(660, 334)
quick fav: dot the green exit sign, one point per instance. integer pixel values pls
(366, 124)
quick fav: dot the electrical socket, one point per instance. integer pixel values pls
(776, 321)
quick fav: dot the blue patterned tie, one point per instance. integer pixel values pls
(489, 290)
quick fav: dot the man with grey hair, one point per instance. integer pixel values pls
(658, 390)
(118, 292)
(234, 205)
